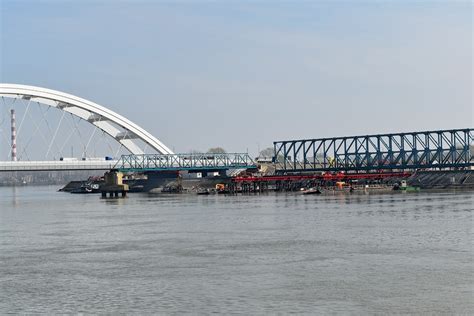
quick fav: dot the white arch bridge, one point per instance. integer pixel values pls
(21, 103)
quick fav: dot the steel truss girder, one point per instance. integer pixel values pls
(158, 162)
(413, 150)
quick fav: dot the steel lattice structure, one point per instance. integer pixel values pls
(400, 151)
(140, 163)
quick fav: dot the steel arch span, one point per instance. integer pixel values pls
(118, 127)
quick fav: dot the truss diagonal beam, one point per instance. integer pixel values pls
(415, 150)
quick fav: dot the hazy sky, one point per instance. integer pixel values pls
(242, 74)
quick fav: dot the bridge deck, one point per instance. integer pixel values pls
(140, 163)
(9, 166)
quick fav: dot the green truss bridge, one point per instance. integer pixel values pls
(191, 162)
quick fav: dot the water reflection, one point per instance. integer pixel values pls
(15, 196)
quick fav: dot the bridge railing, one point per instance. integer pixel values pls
(194, 161)
(415, 150)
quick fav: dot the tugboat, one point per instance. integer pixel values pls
(87, 187)
(403, 186)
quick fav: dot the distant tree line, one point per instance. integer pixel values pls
(212, 150)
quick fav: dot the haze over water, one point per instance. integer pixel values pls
(376, 253)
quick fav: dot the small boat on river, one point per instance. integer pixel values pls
(203, 191)
(311, 191)
(86, 188)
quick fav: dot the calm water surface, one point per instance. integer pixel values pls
(378, 253)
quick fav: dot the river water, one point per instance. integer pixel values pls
(254, 254)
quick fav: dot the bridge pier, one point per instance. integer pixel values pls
(114, 194)
(114, 185)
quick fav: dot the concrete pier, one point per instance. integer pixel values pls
(114, 185)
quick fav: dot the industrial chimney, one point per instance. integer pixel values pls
(13, 123)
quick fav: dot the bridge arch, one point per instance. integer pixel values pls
(118, 127)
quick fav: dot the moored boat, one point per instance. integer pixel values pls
(311, 191)
(203, 191)
(86, 188)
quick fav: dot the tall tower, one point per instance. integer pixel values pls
(13, 123)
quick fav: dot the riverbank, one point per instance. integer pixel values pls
(422, 180)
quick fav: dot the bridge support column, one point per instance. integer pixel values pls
(113, 185)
